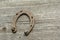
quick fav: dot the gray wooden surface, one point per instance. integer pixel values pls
(47, 19)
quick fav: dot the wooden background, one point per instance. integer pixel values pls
(47, 19)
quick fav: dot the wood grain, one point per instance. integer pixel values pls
(47, 19)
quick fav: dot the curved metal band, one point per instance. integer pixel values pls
(23, 12)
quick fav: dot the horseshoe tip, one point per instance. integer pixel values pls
(13, 31)
(25, 33)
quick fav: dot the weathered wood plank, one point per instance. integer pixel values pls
(47, 19)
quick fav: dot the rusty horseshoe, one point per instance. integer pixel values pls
(31, 19)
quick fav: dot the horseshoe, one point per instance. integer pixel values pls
(16, 17)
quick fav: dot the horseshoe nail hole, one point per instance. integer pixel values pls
(32, 17)
(31, 25)
(16, 13)
(20, 11)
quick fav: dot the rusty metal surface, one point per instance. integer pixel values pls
(31, 19)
